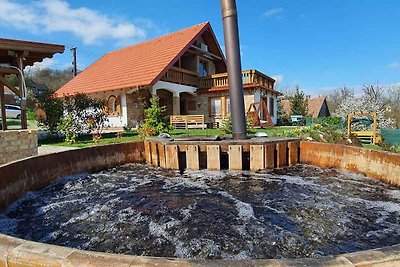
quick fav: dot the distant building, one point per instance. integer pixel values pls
(317, 107)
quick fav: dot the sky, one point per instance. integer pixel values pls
(319, 45)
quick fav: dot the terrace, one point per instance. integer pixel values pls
(251, 78)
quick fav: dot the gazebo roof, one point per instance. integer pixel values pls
(31, 51)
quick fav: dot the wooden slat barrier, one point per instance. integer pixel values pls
(192, 157)
(235, 153)
(248, 77)
(213, 157)
(262, 156)
(181, 76)
(186, 121)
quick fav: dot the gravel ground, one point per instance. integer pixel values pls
(45, 149)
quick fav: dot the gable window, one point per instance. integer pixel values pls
(215, 107)
(203, 68)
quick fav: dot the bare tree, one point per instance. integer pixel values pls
(337, 96)
(377, 94)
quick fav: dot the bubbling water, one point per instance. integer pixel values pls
(136, 209)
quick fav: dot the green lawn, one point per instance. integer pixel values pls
(110, 138)
(14, 124)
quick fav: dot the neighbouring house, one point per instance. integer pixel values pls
(10, 98)
(186, 69)
(317, 107)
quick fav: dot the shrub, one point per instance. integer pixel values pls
(155, 121)
(68, 128)
(226, 125)
(52, 108)
(87, 114)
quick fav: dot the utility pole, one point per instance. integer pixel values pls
(74, 68)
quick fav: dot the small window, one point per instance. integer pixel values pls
(203, 68)
(215, 107)
(228, 106)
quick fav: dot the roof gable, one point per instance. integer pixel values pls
(138, 65)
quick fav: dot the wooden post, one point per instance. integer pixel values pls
(281, 150)
(161, 155)
(257, 161)
(213, 157)
(3, 108)
(293, 153)
(171, 157)
(235, 157)
(349, 116)
(269, 156)
(223, 106)
(147, 151)
(375, 126)
(192, 157)
(154, 154)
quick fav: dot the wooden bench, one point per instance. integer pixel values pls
(187, 121)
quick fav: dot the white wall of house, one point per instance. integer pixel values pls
(115, 121)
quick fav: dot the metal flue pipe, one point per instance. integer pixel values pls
(231, 36)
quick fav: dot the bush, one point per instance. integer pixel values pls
(226, 125)
(155, 121)
(68, 128)
(52, 108)
(87, 114)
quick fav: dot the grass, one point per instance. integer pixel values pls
(370, 146)
(86, 140)
(15, 124)
(110, 138)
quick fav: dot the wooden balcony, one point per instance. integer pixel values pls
(251, 78)
(181, 76)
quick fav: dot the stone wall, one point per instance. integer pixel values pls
(15, 145)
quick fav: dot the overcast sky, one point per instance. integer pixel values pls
(316, 44)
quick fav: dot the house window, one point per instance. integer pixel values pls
(203, 70)
(271, 106)
(215, 107)
(228, 106)
(113, 106)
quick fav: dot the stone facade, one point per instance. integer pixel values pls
(15, 145)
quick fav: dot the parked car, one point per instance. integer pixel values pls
(13, 112)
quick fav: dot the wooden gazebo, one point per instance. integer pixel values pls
(19, 54)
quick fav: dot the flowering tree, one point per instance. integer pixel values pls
(372, 100)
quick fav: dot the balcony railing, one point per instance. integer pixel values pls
(190, 78)
(181, 76)
(250, 77)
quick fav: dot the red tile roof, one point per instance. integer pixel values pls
(142, 64)
(314, 106)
